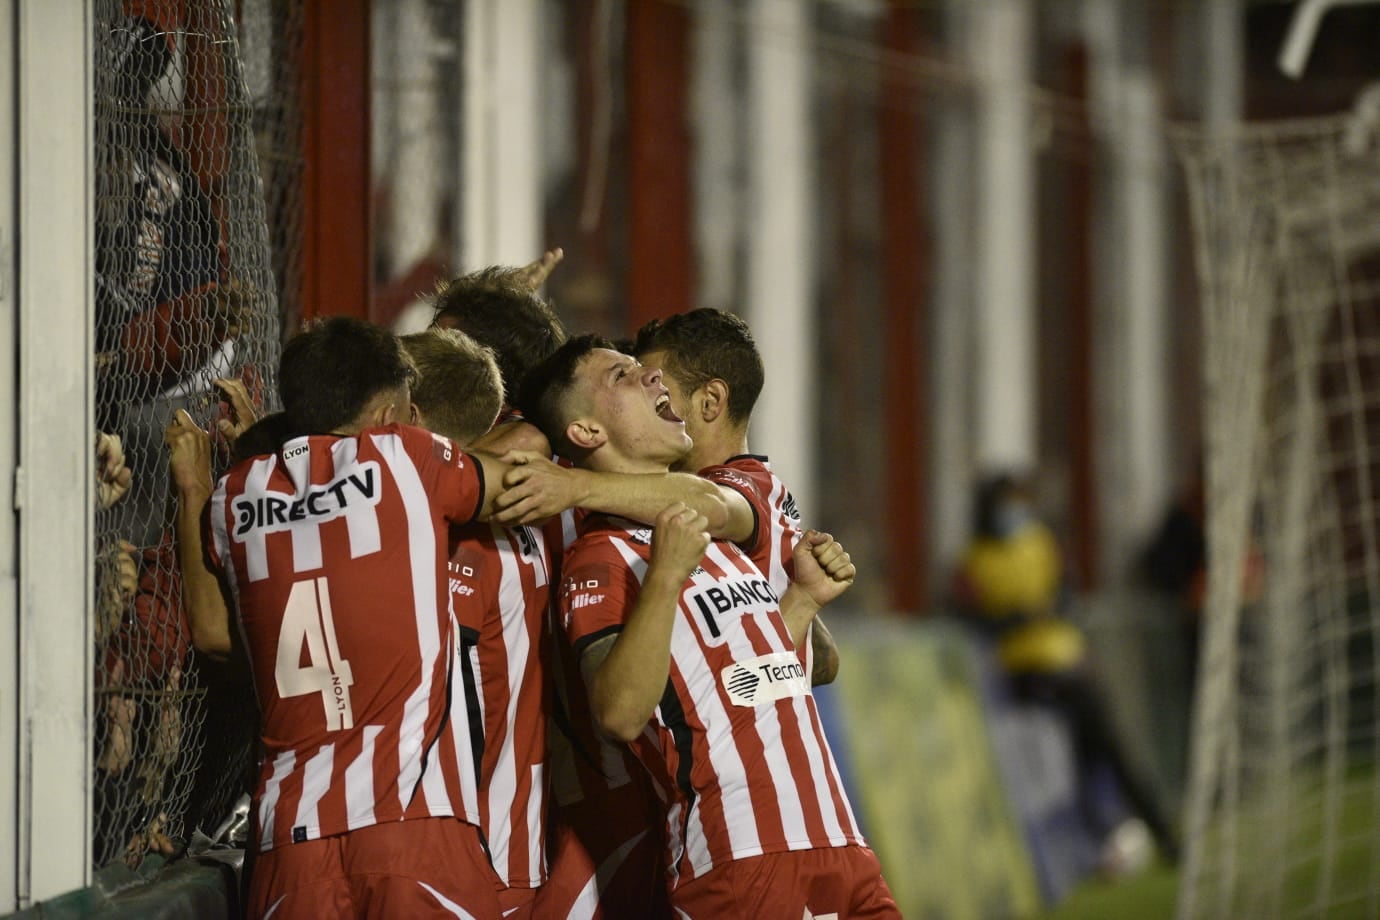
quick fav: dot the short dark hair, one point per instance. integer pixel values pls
(265, 436)
(703, 344)
(332, 369)
(495, 309)
(458, 386)
(543, 397)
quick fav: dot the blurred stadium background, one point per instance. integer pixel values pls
(1107, 245)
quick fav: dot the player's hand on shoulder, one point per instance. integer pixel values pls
(679, 539)
(534, 489)
(823, 567)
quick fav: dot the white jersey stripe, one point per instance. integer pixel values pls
(740, 823)
(852, 827)
(776, 572)
(359, 783)
(361, 520)
(422, 557)
(536, 808)
(306, 537)
(255, 541)
(220, 540)
(316, 779)
(282, 766)
(503, 782)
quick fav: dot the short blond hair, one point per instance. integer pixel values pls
(458, 389)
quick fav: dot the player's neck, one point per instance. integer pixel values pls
(716, 446)
(608, 462)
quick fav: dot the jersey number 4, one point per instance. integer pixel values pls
(307, 620)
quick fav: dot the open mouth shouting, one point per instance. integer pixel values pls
(663, 409)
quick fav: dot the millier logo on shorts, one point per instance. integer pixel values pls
(765, 679)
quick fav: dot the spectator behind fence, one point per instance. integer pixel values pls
(167, 314)
(142, 642)
(1010, 584)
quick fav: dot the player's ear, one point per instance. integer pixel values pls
(711, 400)
(585, 434)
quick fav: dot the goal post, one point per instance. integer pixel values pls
(1283, 815)
(51, 290)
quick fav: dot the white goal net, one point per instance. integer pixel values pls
(1283, 815)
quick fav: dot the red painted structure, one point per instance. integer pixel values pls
(337, 255)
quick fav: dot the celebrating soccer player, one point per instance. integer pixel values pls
(712, 370)
(692, 659)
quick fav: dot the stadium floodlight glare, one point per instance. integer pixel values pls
(1303, 29)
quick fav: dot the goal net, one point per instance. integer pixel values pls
(185, 294)
(1283, 815)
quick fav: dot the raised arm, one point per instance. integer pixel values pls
(190, 463)
(536, 489)
(626, 673)
(823, 571)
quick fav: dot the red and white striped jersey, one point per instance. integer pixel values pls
(334, 550)
(778, 519)
(583, 764)
(778, 524)
(500, 589)
(736, 743)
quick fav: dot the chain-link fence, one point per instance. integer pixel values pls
(185, 295)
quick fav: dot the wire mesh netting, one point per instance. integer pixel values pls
(185, 295)
(1284, 803)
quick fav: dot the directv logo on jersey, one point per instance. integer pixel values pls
(764, 679)
(275, 512)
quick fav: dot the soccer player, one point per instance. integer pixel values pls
(334, 551)
(692, 661)
(606, 852)
(498, 580)
(712, 370)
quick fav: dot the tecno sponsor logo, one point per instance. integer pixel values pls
(272, 512)
(764, 679)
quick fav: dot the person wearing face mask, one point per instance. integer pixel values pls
(1010, 584)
